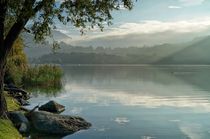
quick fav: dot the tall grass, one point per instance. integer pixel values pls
(43, 76)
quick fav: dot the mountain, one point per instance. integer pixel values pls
(196, 53)
(59, 36)
(100, 55)
(36, 50)
(33, 49)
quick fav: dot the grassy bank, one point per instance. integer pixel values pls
(7, 130)
(12, 104)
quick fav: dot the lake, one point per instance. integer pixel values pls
(136, 102)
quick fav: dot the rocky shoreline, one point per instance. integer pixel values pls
(44, 119)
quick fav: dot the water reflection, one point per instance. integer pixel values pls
(138, 102)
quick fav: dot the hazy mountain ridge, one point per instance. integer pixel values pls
(194, 52)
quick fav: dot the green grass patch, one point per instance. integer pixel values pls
(12, 104)
(8, 131)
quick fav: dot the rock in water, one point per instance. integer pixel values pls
(50, 123)
(23, 102)
(53, 107)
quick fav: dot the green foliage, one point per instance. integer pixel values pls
(82, 14)
(17, 63)
(20, 73)
(8, 131)
(45, 75)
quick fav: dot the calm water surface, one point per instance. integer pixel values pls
(136, 102)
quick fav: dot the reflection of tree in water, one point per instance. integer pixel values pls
(43, 90)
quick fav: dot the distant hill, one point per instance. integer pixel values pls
(35, 50)
(100, 55)
(196, 53)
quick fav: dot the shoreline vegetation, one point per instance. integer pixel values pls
(47, 76)
(36, 78)
(7, 129)
(22, 122)
(19, 73)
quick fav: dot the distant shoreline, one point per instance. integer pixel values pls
(130, 65)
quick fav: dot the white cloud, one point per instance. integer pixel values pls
(148, 32)
(174, 7)
(191, 2)
(186, 3)
(153, 26)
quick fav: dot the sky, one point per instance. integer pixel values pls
(150, 22)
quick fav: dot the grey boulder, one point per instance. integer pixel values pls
(50, 123)
(20, 121)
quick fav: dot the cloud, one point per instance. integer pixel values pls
(155, 26)
(149, 32)
(174, 7)
(191, 2)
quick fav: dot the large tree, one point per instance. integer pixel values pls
(40, 16)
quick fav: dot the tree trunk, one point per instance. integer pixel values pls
(3, 105)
